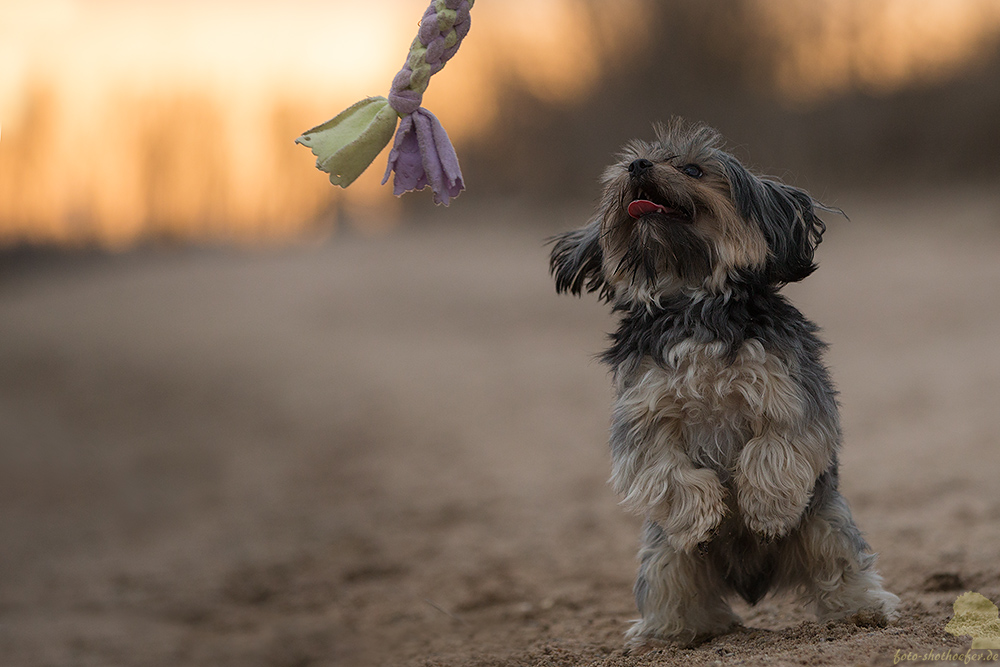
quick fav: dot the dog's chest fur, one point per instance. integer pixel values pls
(714, 375)
(714, 401)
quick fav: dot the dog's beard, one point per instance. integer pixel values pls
(657, 248)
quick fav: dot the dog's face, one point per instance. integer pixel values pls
(681, 214)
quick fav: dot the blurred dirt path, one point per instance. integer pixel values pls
(392, 451)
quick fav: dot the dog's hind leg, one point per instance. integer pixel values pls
(829, 561)
(679, 595)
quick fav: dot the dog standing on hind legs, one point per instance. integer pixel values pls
(725, 430)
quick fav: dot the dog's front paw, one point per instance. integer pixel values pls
(772, 492)
(769, 517)
(697, 507)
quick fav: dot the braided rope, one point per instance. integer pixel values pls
(421, 153)
(443, 26)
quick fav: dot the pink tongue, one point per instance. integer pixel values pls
(641, 207)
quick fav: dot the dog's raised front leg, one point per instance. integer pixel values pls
(794, 428)
(657, 479)
(775, 476)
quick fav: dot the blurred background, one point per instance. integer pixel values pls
(126, 122)
(247, 418)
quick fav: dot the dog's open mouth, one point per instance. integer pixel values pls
(644, 204)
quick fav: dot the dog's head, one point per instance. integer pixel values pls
(681, 214)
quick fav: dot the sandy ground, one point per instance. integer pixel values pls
(391, 451)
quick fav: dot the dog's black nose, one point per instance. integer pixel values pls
(639, 166)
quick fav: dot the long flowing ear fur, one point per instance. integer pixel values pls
(576, 261)
(786, 216)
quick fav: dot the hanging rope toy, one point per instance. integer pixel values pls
(421, 154)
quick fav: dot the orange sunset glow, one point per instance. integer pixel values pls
(122, 120)
(879, 46)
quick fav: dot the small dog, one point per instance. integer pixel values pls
(725, 430)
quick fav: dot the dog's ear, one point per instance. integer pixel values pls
(577, 261)
(787, 217)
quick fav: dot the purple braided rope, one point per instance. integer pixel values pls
(406, 94)
(421, 152)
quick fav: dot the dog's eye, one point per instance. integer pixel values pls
(692, 170)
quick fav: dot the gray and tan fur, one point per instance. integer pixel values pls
(725, 430)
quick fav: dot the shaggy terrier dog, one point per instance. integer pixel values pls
(725, 430)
